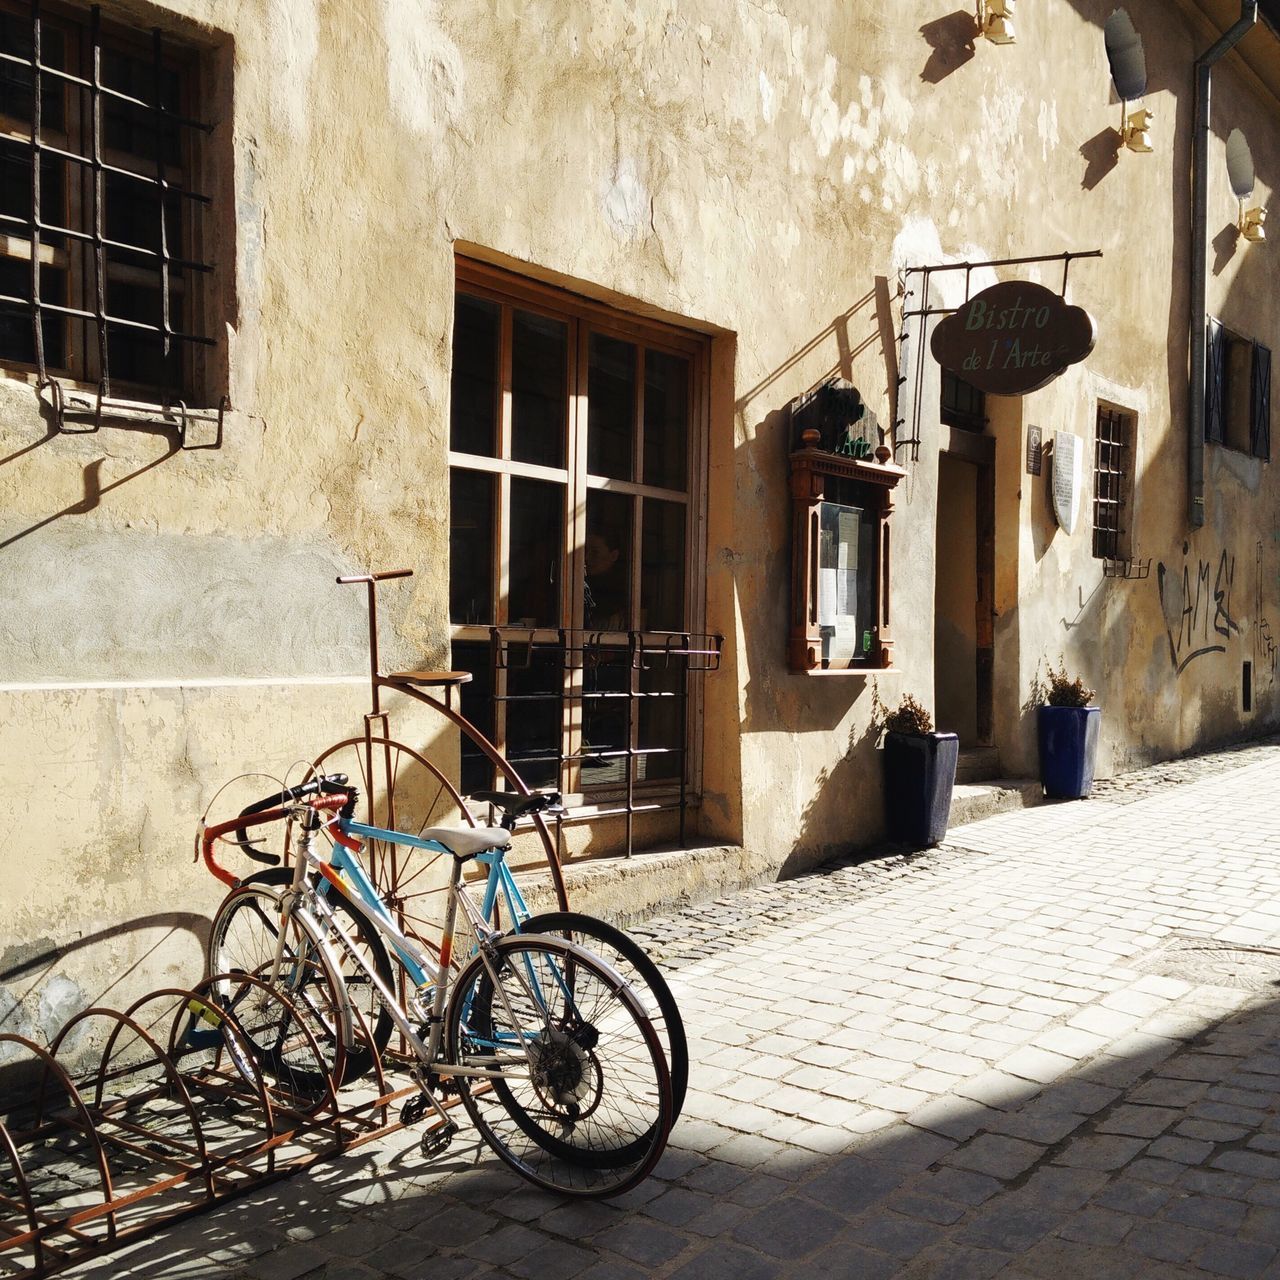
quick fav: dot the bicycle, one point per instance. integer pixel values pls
(548, 1048)
(502, 899)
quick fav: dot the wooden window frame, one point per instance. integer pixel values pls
(1237, 405)
(583, 317)
(1115, 437)
(83, 340)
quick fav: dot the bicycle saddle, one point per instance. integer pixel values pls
(515, 806)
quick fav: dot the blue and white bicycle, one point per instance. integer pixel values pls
(549, 1047)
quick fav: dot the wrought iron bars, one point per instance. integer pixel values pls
(91, 232)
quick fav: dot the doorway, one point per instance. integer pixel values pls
(964, 624)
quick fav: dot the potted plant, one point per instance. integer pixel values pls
(919, 772)
(1067, 728)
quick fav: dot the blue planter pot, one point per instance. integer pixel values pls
(1068, 748)
(919, 773)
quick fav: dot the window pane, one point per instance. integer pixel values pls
(606, 681)
(611, 387)
(17, 341)
(662, 572)
(473, 401)
(846, 583)
(535, 695)
(606, 591)
(666, 420)
(660, 718)
(536, 553)
(477, 705)
(539, 402)
(15, 81)
(470, 547)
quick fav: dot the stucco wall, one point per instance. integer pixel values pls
(764, 173)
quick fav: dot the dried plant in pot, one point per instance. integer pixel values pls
(919, 772)
(1067, 729)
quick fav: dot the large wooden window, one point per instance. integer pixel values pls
(576, 463)
(100, 254)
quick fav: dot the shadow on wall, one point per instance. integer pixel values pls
(952, 40)
(92, 488)
(853, 785)
(36, 997)
(845, 796)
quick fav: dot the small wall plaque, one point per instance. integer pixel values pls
(1066, 480)
(1035, 451)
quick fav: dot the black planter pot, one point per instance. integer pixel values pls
(1068, 738)
(919, 773)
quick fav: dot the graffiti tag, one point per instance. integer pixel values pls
(1201, 621)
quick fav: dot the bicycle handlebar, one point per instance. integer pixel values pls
(376, 577)
(332, 784)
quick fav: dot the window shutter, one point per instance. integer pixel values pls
(1260, 404)
(1214, 381)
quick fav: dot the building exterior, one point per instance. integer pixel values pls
(527, 298)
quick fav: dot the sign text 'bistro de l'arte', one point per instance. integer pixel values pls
(1013, 338)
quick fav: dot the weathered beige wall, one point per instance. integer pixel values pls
(763, 173)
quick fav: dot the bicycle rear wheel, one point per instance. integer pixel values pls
(243, 945)
(292, 1019)
(579, 1093)
(628, 957)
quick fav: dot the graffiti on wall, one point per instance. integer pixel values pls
(1197, 606)
(1265, 648)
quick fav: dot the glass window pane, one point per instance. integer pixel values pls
(662, 567)
(666, 420)
(611, 388)
(477, 705)
(846, 583)
(539, 401)
(535, 697)
(473, 400)
(660, 719)
(471, 547)
(606, 681)
(536, 553)
(606, 591)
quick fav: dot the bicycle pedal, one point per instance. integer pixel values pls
(414, 1109)
(437, 1140)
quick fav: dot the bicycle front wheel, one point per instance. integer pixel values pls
(576, 1094)
(254, 951)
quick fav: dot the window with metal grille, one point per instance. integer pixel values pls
(963, 405)
(101, 266)
(1112, 484)
(577, 445)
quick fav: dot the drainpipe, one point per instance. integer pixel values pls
(1200, 255)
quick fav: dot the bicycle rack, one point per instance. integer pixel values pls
(176, 1116)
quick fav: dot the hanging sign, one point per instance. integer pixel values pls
(1013, 338)
(1066, 480)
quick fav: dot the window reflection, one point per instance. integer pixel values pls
(662, 566)
(611, 416)
(538, 389)
(537, 551)
(666, 420)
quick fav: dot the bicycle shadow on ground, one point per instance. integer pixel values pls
(1155, 1155)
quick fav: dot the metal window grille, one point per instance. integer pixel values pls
(1111, 471)
(99, 252)
(963, 405)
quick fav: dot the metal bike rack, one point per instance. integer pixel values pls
(175, 1116)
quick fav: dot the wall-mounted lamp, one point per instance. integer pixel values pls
(1240, 172)
(995, 20)
(1253, 224)
(1137, 130)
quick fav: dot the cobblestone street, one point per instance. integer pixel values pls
(1049, 1048)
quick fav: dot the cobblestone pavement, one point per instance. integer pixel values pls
(1049, 1048)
